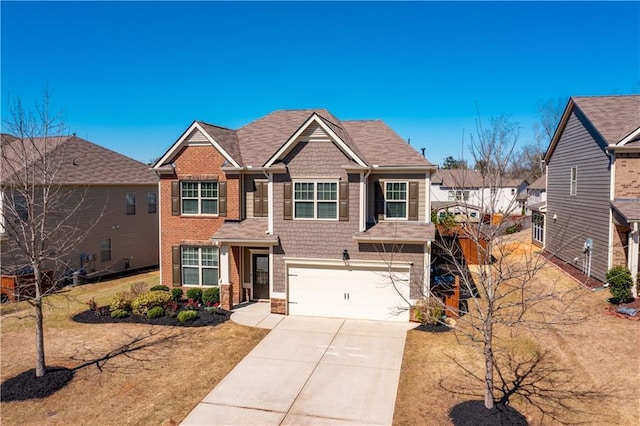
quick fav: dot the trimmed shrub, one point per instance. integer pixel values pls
(176, 294)
(141, 304)
(121, 301)
(155, 312)
(195, 294)
(620, 283)
(184, 316)
(211, 296)
(119, 313)
(429, 311)
(159, 288)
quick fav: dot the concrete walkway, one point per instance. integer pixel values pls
(310, 371)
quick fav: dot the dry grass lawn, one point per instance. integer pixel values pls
(158, 384)
(599, 355)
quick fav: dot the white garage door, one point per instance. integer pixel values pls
(348, 293)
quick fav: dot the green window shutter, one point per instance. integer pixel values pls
(175, 260)
(287, 198)
(344, 201)
(379, 198)
(413, 200)
(222, 198)
(175, 198)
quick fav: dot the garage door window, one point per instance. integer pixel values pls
(200, 266)
(315, 200)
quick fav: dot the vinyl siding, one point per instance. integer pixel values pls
(585, 215)
(133, 237)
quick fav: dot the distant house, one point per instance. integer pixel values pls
(469, 187)
(307, 212)
(118, 193)
(536, 207)
(593, 185)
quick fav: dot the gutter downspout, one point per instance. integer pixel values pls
(269, 176)
(363, 200)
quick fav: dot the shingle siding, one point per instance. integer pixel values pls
(585, 215)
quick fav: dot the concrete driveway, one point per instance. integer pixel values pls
(312, 371)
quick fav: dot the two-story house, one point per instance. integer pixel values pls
(593, 185)
(467, 192)
(317, 216)
(103, 206)
(536, 208)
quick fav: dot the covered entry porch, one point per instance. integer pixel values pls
(246, 261)
(626, 241)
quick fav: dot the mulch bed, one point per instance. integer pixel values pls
(473, 413)
(27, 386)
(104, 317)
(611, 310)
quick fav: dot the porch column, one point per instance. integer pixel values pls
(226, 300)
(632, 261)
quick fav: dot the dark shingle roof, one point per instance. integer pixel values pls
(540, 183)
(408, 232)
(371, 140)
(629, 208)
(226, 138)
(458, 178)
(252, 230)
(615, 117)
(82, 162)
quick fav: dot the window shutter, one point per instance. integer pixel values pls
(265, 198)
(288, 207)
(344, 201)
(260, 203)
(175, 198)
(379, 197)
(413, 200)
(175, 260)
(222, 198)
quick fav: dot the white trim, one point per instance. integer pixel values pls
(271, 292)
(224, 265)
(634, 253)
(426, 275)
(629, 137)
(427, 198)
(357, 263)
(182, 142)
(315, 200)
(362, 205)
(406, 201)
(573, 192)
(612, 177)
(288, 145)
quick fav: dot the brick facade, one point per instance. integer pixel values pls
(627, 183)
(192, 162)
(619, 245)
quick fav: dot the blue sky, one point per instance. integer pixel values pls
(131, 76)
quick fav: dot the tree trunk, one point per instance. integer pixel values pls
(488, 366)
(40, 365)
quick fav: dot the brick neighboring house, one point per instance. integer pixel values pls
(113, 191)
(593, 185)
(318, 216)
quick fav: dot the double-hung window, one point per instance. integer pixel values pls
(396, 200)
(131, 203)
(315, 200)
(574, 181)
(152, 202)
(199, 198)
(105, 249)
(200, 266)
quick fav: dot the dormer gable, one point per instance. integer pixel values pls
(315, 129)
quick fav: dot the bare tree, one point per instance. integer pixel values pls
(500, 292)
(41, 214)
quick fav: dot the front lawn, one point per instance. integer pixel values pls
(591, 367)
(126, 373)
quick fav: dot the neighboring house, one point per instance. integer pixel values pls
(459, 210)
(536, 207)
(468, 186)
(118, 193)
(316, 215)
(593, 185)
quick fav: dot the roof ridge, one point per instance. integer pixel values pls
(215, 125)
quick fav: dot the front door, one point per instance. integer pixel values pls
(260, 276)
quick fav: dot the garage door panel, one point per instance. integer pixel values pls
(347, 293)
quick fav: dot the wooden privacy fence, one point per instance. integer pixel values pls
(14, 288)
